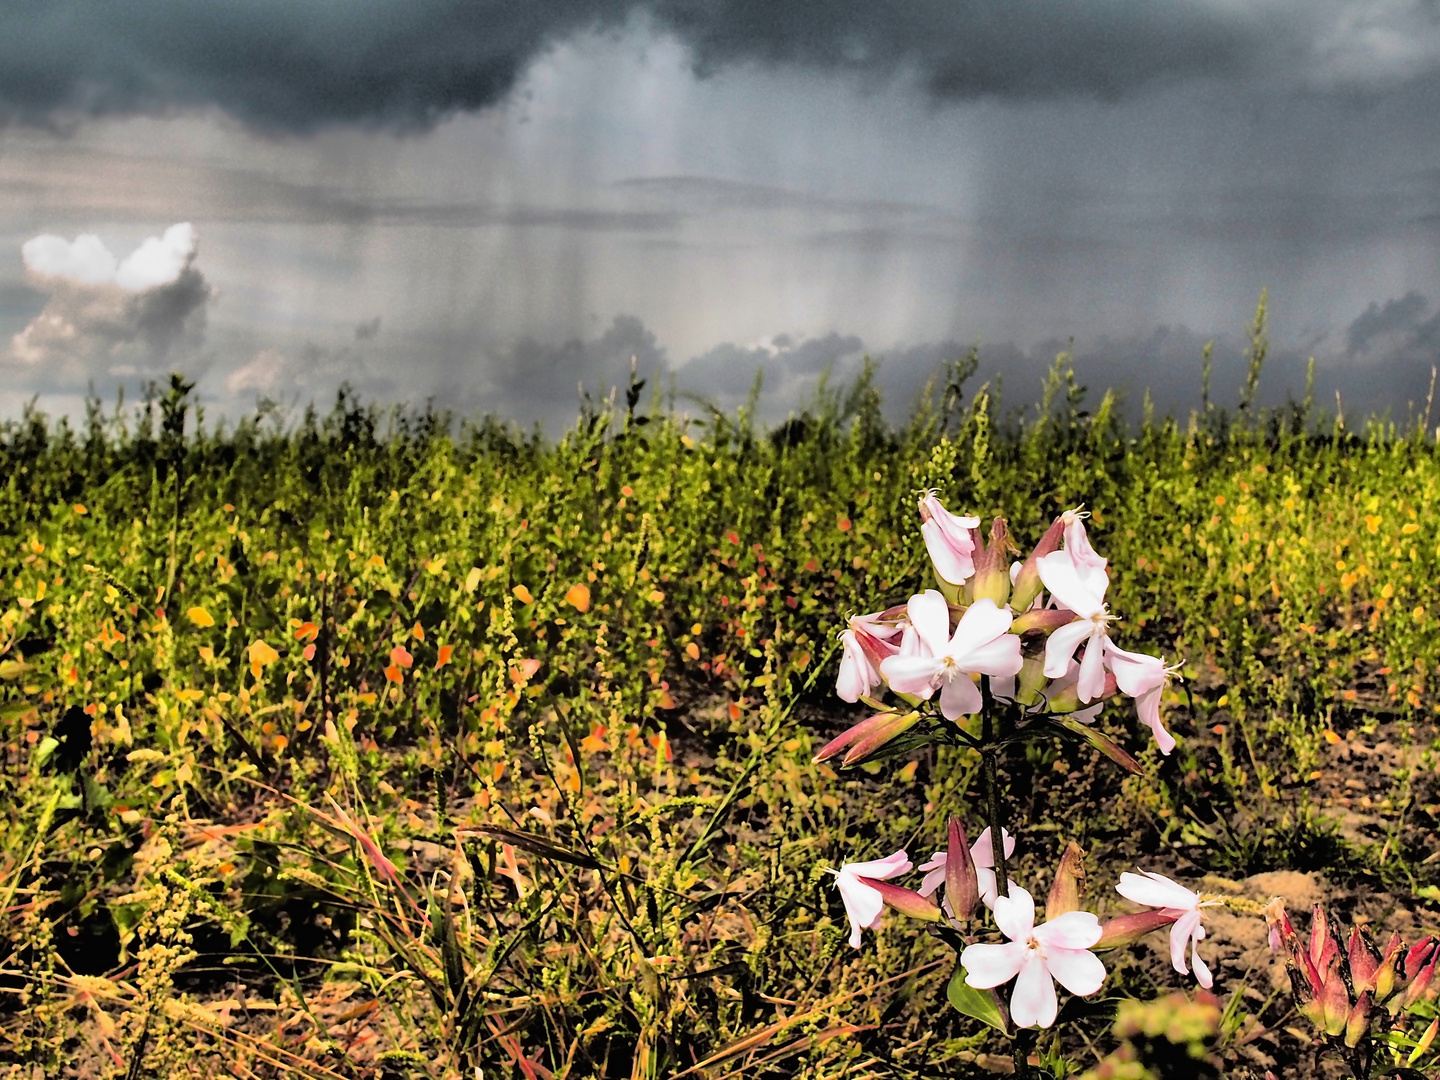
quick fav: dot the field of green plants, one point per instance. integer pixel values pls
(376, 745)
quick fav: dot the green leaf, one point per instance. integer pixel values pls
(979, 1004)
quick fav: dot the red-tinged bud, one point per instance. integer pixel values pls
(1417, 955)
(1068, 700)
(1358, 1025)
(1307, 1004)
(992, 565)
(1128, 929)
(1042, 620)
(1426, 1041)
(1324, 942)
(1419, 988)
(1069, 884)
(962, 887)
(1364, 961)
(1031, 679)
(852, 734)
(872, 742)
(1027, 583)
(1335, 1004)
(905, 901)
(1387, 975)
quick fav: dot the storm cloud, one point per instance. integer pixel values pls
(286, 66)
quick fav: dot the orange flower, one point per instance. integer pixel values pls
(400, 657)
(443, 655)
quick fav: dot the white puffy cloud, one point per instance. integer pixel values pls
(107, 316)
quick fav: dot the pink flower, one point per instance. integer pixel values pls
(1077, 543)
(864, 904)
(1036, 957)
(1083, 592)
(867, 640)
(948, 540)
(982, 855)
(981, 644)
(1143, 678)
(1173, 899)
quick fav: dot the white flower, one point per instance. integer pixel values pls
(863, 904)
(1172, 898)
(1036, 957)
(981, 644)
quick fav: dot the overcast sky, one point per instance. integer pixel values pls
(490, 201)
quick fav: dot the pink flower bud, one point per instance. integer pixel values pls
(1027, 583)
(1358, 1025)
(962, 886)
(1128, 929)
(1069, 884)
(905, 901)
(1335, 1004)
(992, 565)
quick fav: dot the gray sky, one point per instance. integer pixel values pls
(490, 201)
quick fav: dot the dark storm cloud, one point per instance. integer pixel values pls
(299, 65)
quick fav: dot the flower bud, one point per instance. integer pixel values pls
(905, 901)
(1419, 988)
(1417, 955)
(992, 565)
(872, 742)
(1043, 620)
(1358, 1025)
(1027, 583)
(1364, 961)
(1031, 679)
(1069, 884)
(1335, 1005)
(852, 734)
(1128, 929)
(1389, 970)
(962, 887)
(1426, 1041)
(1068, 699)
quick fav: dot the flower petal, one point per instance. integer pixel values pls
(981, 624)
(857, 674)
(1155, 890)
(1015, 915)
(862, 905)
(1202, 973)
(1073, 930)
(888, 867)
(911, 674)
(1091, 683)
(930, 615)
(1078, 970)
(982, 853)
(1033, 1000)
(935, 873)
(1084, 595)
(960, 697)
(1000, 657)
(1060, 648)
(987, 966)
(1135, 673)
(1148, 706)
(1180, 935)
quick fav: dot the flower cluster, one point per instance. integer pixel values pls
(1340, 985)
(1003, 649)
(1060, 949)
(1019, 623)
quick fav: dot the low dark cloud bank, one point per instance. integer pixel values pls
(299, 65)
(1380, 365)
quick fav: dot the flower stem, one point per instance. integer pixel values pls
(989, 767)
